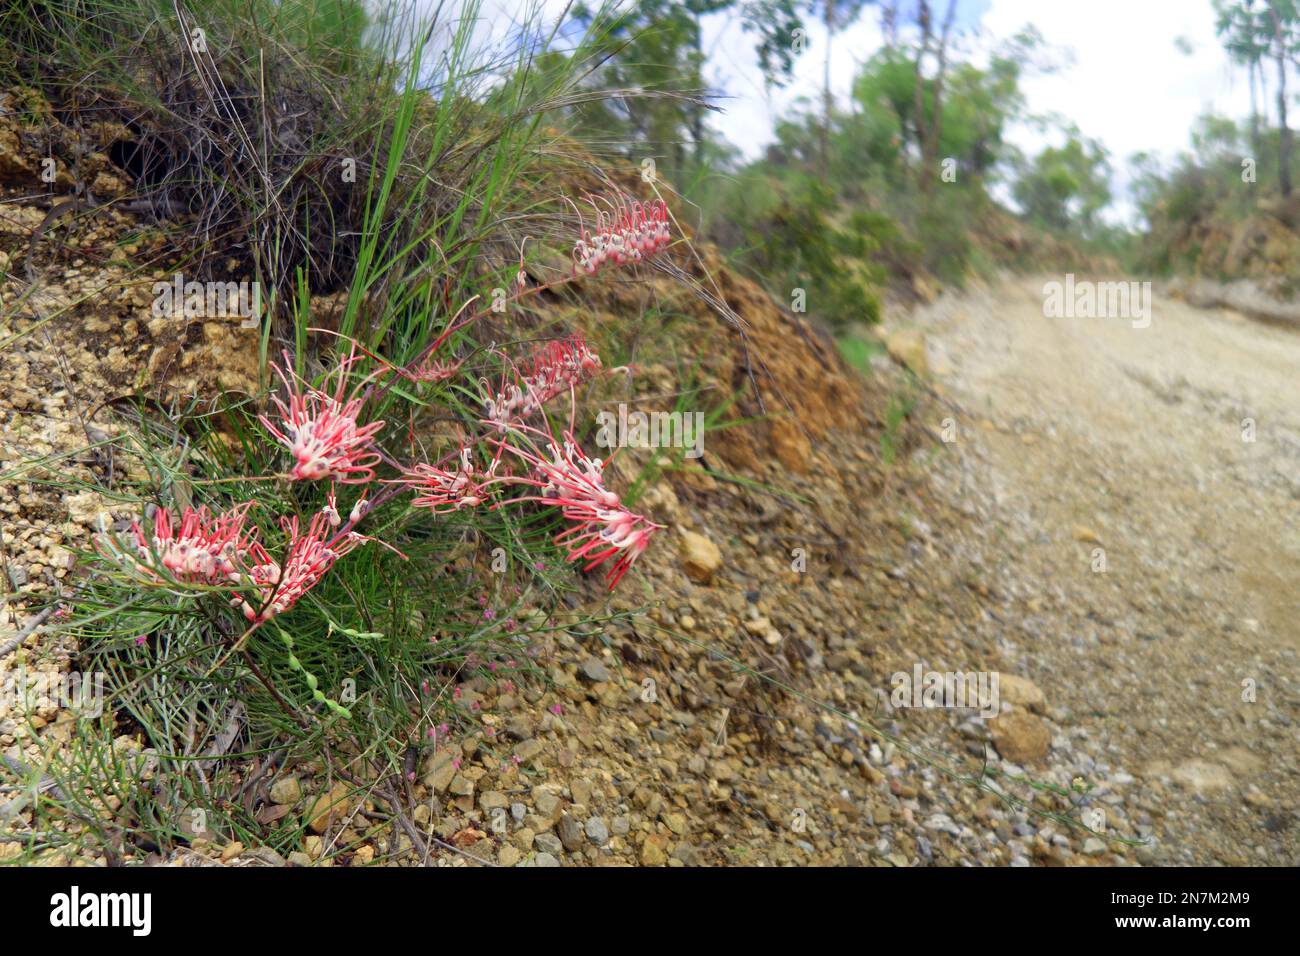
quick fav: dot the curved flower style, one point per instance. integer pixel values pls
(321, 430)
(628, 232)
(553, 369)
(603, 527)
(202, 549)
(310, 556)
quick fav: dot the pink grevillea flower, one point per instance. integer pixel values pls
(603, 528)
(432, 370)
(553, 369)
(560, 365)
(443, 490)
(202, 548)
(628, 231)
(310, 556)
(321, 430)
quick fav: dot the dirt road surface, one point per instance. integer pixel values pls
(1138, 491)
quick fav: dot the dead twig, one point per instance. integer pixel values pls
(27, 630)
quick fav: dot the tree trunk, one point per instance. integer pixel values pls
(923, 173)
(828, 14)
(697, 110)
(1284, 132)
(1255, 145)
(936, 123)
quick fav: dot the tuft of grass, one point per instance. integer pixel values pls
(897, 411)
(858, 351)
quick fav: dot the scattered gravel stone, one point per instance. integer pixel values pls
(570, 832)
(595, 671)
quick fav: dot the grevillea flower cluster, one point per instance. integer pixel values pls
(201, 548)
(321, 430)
(552, 370)
(310, 555)
(559, 475)
(628, 231)
(442, 490)
(603, 528)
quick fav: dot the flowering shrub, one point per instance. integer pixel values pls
(507, 456)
